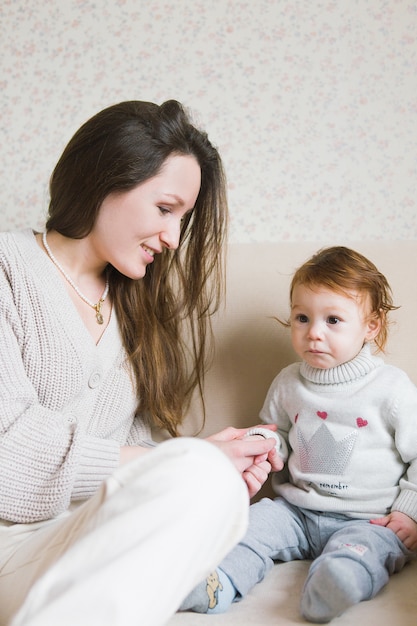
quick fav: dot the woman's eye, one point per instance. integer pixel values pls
(186, 217)
(164, 210)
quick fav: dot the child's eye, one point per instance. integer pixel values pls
(164, 210)
(333, 320)
(302, 318)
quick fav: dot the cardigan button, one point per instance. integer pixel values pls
(94, 380)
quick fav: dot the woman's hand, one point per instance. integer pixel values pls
(242, 452)
(256, 475)
(253, 457)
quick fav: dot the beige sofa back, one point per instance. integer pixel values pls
(251, 347)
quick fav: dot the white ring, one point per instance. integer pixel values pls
(267, 434)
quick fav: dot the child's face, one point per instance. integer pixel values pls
(329, 328)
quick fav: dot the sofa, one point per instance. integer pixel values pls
(251, 347)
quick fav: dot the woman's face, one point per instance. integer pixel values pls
(133, 226)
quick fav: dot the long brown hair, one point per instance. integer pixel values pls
(164, 318)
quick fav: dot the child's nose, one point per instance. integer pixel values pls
(315, 330)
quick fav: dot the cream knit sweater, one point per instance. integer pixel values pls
(66, 404)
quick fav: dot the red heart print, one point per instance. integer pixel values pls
(361, 422)
(322, 415)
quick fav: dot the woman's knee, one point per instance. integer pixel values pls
(188, 469)
(206, 470)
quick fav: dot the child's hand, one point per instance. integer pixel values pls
(256, 476)
(403, 526)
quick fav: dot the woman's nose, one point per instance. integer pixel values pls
(170, 236)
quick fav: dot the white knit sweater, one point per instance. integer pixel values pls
(66, 404)
(351, 432)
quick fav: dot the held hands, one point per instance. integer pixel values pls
(256, 475)
(403, 526)
(254, 457)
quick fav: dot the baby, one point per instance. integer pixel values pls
(347, 428)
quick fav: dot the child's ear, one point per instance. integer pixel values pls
(374, 326)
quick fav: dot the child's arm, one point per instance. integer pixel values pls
(403, 517)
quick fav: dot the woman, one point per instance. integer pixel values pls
(105, 329)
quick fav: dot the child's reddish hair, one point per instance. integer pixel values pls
(344, 270)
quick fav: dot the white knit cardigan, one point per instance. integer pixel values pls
(66, 404)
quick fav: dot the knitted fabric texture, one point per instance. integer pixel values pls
(351, 432)
(66, 404)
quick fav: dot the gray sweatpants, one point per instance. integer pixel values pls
(279, 531)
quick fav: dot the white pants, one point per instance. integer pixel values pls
(131, 553)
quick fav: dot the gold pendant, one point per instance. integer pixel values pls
(99, 316)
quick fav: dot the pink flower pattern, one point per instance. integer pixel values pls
(312, 105)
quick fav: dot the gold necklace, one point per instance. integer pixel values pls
(99, 304)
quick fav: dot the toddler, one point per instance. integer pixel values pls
(347, 425)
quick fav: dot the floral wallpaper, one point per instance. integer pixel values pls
(312, 103)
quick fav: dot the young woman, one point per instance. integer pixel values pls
(104, 334)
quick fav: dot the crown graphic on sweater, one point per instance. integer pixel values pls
(322, 454)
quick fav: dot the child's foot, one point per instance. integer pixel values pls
(333, 586)
(214, 595)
